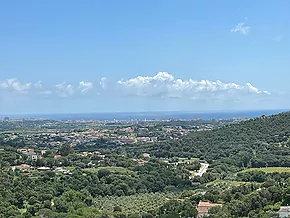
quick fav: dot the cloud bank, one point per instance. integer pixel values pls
(162, 85)
(85, 86)
(165, 85)
(15, 85)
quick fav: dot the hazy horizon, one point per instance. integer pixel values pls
(183, 115)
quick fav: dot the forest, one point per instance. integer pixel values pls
(119, 187)
(259, 142)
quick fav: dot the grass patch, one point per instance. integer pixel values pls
(117, 170)
(269, 169)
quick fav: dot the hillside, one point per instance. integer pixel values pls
(248, 173)
(257, 142)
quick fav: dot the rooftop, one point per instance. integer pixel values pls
(203, 207)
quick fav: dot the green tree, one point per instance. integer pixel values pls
(65, 149)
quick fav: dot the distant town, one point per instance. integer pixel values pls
(50, 133)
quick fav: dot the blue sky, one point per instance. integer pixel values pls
(93, 56)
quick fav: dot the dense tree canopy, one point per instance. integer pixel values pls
(257, 142)
(96, 182)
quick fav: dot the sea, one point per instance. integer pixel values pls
(158, 115)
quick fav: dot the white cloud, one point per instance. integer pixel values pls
(103, 83)
(146, 85)
(38, 85)
(64, 90)
(164, 84)
(242, 28)
(85, 86)
(32, 89)
(15, 85)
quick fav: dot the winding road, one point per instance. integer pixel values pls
(202, 170)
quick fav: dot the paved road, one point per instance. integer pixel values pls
(202, 170)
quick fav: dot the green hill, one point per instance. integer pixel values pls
(257, 142)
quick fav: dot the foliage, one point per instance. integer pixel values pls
(269, 169)
(248, 173)
(134, 204)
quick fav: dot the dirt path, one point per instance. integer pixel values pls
(202, 170)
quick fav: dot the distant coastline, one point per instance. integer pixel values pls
(183, 115)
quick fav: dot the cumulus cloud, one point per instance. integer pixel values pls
(15, 85)
(164, 84)
(241, 28)
(85, 86)
(38, 85)
(146, 85)
(33, 89)
(103, 83)
(64, 90)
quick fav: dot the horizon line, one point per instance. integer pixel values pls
(136, 112)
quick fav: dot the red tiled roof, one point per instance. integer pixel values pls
(23, 166)
(207, 204)
(203, 207)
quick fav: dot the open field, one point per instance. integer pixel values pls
(119, 170)
(134, 203)
(269, 169)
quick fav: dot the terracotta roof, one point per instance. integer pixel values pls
(203, 207)
(202, 210)
(208, 204)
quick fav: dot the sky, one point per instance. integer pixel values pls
(89, 56)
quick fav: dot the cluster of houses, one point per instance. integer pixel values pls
(123, 135)
(140, 161)
(30, 153)
(25, 168)
(92, 154)
(143, 160)
(130, 140)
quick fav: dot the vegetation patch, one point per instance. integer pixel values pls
(134, 204)
(117, 170)
(270, 169)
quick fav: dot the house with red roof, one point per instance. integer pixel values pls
(203, 208)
